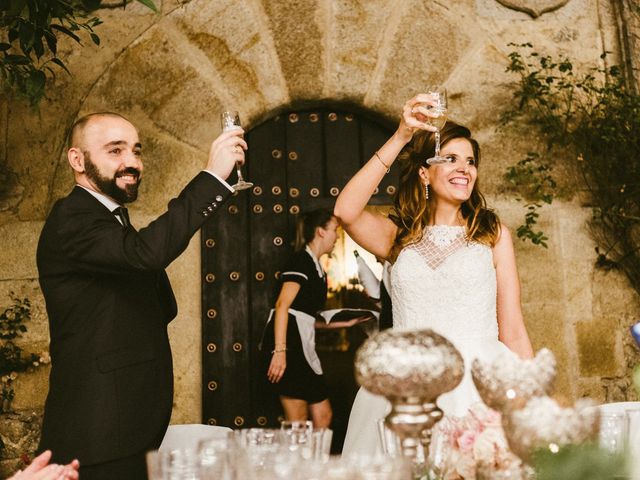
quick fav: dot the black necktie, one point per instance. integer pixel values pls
(123, 213)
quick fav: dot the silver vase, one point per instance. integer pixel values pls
(411, 369)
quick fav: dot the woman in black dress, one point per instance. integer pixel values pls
(295, 369)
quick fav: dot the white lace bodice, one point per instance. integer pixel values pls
(447, 284)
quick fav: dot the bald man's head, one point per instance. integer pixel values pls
(76, 136)
(105, 155)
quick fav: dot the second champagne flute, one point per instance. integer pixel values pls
(230, 120)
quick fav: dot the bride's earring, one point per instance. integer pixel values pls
(426, 191)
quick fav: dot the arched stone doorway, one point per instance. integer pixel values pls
(297, 160)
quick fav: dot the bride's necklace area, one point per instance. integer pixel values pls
(439, 242)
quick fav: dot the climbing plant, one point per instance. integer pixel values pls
(29, 34)
(589, 121)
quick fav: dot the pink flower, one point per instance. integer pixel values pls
(466, 440)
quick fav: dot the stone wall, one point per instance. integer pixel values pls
(172, 74)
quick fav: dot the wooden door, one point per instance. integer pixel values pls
(298, 161)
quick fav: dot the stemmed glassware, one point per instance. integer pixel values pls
(437, 117)
(230, 120)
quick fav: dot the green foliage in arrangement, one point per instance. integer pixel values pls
(589, 121)
(580, 462)
(29, 33)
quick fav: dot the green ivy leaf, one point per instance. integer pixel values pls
(149, 4)
(61, 64)
(66, 31)
(52, 41)
(91, 5)
(16, 7)
(16, 60)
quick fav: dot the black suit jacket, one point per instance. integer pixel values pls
(109, 302)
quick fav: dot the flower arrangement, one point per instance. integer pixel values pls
(473, 447)
(12, 357)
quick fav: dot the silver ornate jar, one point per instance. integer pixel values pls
(411, 369)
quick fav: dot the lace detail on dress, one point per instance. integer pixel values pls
(458, 298)
(438, 243)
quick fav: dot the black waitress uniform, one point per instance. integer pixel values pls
(299, 379)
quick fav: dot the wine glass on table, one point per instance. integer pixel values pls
(436, 117)
(230, 120)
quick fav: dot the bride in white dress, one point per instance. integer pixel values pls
(454, 268)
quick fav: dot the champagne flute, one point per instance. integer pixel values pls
(231, 121)
(437, 117)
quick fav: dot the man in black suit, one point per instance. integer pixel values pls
(109, 299)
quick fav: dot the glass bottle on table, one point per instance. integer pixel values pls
(230, 120)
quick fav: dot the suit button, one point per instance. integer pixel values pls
(210, 209)
(218, 198)
(205, 213)
(214, 205)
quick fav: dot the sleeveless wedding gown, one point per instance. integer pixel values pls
(447, 284)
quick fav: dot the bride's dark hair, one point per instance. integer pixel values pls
(411, 211)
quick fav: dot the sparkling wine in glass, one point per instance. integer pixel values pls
(230, 120)
(437, 117)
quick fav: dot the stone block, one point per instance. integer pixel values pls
(613, 295)
(298, 38)
(31, 388)
(353, 45)
(19, 242)
(415, 52)
(591, 388)
(20, 433)
(547, 328)
(619, 390)
(599, 347)
(540, 269)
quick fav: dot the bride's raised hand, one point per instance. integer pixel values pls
(414, 116)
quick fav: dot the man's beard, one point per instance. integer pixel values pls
(108, 186)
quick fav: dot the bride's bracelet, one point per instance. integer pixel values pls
(280, 347)
(387, 168)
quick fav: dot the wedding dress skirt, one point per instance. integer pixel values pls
(447, 284)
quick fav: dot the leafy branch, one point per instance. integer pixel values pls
(533, 176)
(12, 357)
(29, 34)
(590, 121)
